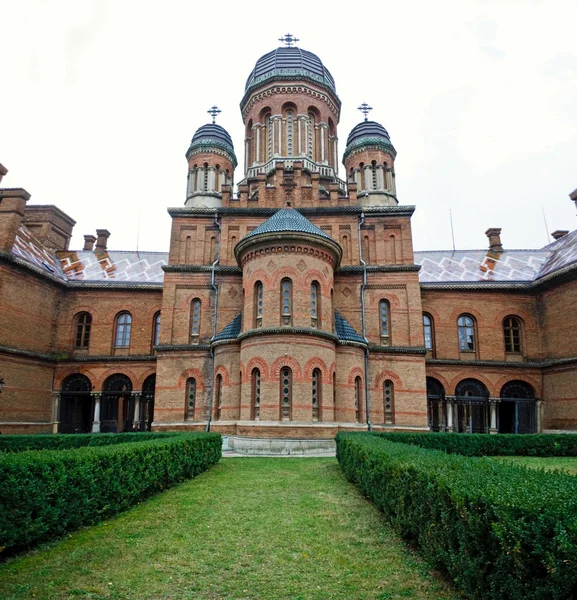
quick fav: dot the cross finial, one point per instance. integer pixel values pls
(213, 112)
(289, 39)
(365, 109)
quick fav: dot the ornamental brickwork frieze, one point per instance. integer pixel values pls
(299, 249)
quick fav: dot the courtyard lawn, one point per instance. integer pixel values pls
(250, 528)
(568, 464)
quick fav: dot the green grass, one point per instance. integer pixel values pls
(250, 528)
(567, 464)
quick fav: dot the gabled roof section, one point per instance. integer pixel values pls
(345, 331)
(29, 249)
(287, 220)
(231, 331)
(563, 253)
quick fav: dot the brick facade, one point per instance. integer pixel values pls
(80, 347)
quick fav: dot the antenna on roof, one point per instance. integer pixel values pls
(138, 235)
(365, 109)
(214, 112)
(289, 39)
(452, 232)
(546, 226)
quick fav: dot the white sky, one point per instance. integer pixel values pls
(100, 98)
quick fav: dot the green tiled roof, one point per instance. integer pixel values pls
(345, 331)
(231, 331)
(289, 220)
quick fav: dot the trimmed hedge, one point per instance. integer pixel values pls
(21, 443)
(500, 531)
(491, 445)
(46, 493)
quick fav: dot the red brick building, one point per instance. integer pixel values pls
(288, 308)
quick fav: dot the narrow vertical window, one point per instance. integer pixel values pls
(512, 331)
(384, 314)
(218, 397)
(358, 399)
(122, 334)
(316, 395)
(289, 132)
(428, 331)
(82, 334)
(255, 393)
(258, 304)
(156, 329)
(374, 174)
(195, 321)
(315, 305)
(466, 327)
(190, 399)
(286, 301)
(389, 401)
(334, 390)
(285, 394)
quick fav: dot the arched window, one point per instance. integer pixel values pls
(195, 321)
(156, 329)
(286, 301)
(471, 388)
(429, 332)
(82, 333)
(255, 395)
(512, 332)
(466, 327)
(358, 398)
(437, 408)
(147, 402)
(374, 174)
(384, 314)
(117, 404)
(315, 304)
(122, 330)
(316, 394)
(286, 393)
(389, 401)
(289, 132)
(218, 397)
(258, 304)
(190, 399)
(517, 389)
(75, 405)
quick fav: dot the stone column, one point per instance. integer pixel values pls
(539, 415)
(257, 151)
(493, 409)
(96, 420)
(380, 178)
(137, 397)
(55, 411)
(199, 179)
(450, 415)
(368, 178)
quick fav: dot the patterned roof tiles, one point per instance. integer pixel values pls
(345, 331)
(289, 220)
(231, 331)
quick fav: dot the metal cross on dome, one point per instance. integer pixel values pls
(289, 39)
(213, 112)
(365, 109)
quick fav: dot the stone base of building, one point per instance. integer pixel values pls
(278, 446)
(24, 428)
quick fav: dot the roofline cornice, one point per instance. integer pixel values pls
(414, 350)
(399, 210)
(306, 331)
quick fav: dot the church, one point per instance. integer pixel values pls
(290, 305)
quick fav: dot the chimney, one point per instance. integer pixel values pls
(494, 235)
(559, 233)
(89, 242)
(103, 235)
(4, 170)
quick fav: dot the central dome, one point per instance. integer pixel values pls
(290, 63)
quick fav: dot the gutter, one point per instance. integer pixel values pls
(364, 329)
(215, 288)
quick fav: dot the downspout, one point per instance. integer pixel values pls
(215, 288)
(363, 286)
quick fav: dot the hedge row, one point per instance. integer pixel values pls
(46, 493)
(500, 531)
(491, 445)
(21, 443)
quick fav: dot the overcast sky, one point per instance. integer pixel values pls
(101, 98)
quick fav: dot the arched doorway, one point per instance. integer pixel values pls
(76, 407)
(436, 403)
(117, 411)
(472, 407)
(516, 413)
(147, 405)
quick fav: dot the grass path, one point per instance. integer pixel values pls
(567, 464)
(250, 528)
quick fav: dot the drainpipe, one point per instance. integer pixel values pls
(364, 264)
(215, 288)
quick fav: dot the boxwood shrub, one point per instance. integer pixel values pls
(500, 531)
(491, 445)
(45, 493)
(21, 443)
